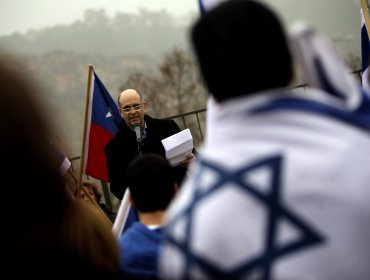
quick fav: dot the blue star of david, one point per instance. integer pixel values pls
(276, 210)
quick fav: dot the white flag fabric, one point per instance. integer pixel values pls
(122, 215)
(280, 190)
(283, 193)
(63, 162)
(322, 66)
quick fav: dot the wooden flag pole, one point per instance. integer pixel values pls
(84, 136)
(365, 12)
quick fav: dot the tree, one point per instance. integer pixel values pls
(176, 88)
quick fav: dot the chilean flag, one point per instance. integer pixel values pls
(102, 124)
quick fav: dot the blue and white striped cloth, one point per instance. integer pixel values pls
(281, 187)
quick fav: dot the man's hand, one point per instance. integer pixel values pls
(189, 160)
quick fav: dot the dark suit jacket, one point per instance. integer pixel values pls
(123, 148)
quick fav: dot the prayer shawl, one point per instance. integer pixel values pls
(280, 190)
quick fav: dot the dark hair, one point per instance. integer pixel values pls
(25, 149)
(151, 182)
(44, 225)
(241, 48)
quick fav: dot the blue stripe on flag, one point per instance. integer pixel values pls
(201, 7)
(364, 46)
(365, 49)
(206, 5)
(104, 109)
(359, 118)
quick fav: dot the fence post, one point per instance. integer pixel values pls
(106, 193)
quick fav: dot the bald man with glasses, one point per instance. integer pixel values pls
(123, 147)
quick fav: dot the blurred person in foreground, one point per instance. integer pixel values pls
(123, 147)
(48, 234)
(152, 186)
(280, 189)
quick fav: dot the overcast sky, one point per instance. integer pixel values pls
(338, 19)
(21, 15)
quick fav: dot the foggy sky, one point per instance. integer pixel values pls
(338, 19)
(21, 15)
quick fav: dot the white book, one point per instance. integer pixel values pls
(178, 146)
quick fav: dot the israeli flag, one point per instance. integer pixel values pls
(282, 190)
(322, 66)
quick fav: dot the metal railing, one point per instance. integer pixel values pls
(195, 120)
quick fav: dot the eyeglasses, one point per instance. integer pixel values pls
(136, 107)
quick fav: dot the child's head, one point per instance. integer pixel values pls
(151, 182)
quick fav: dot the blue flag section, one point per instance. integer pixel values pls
(365, 51)
(206, 5)
(103, 125)
(104, 111)
(201, 7)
